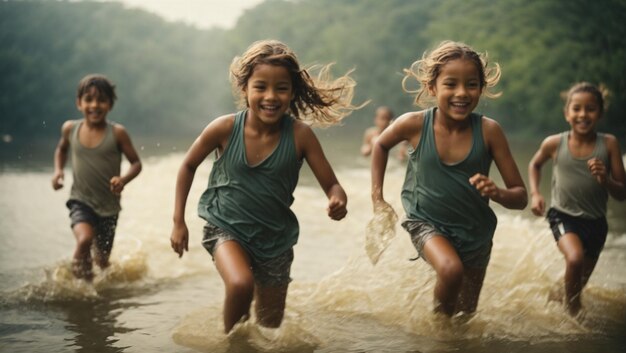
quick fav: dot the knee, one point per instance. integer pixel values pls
(575, 260)
(84, 241)
(451, 272)
(240, 287)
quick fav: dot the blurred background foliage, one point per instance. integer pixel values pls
(172, 79)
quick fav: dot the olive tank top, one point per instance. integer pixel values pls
(253, 201)
(92, 170)
(574, 190)
(441, 194)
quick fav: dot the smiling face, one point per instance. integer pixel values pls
(94, 106)
(268, 93)
(583, 112)
(457, 89)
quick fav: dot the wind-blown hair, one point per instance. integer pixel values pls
(427, 69)
(319, 100)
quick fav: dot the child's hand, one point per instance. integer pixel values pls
(57, 180)
(538, 204)
(180, 239)
(598, 170)
(484, 185)
(116, 185)
(336, 208)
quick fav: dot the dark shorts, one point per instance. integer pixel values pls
(592, 232)
(104, 227)
(272, 272)
(421, 232)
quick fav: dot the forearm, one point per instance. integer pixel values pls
(133, 171)
(616, 189)
(380, 156)
(183, 185)
(512, 198)
(336, 191)
(534, 176)
(60, 158)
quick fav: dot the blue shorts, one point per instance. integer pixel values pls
(104, 227)
(422, 231)
(272, 272)
(592, 232)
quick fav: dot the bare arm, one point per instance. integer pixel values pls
(127, 148)
(513, 195)
(366, 147)
(215, 135)
(311, 150)
(60, 155)
(615, 183)
(545, 152)
(406, 128)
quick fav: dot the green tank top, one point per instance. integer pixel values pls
(253, 201)
(442, 195)
(92, 170)
(574, 190)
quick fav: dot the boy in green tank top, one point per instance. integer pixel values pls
(96, 146)
(447, 188)
(587, 167)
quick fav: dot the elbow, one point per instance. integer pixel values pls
(523, 202)
(139, 166)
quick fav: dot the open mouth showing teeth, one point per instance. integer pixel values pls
(269, 108)
(459, 105)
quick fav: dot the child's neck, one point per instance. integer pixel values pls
(589, 137)
(93, 125)
(450, 124)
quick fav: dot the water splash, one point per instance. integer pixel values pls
(203, 330)
(60, 285)
(380, 231)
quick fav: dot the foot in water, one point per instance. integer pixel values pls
(82, 270)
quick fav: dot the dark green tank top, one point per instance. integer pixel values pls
(574, 190)
(92, 170)
(442, 195)
(253, 202)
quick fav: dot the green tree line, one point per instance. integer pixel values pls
(172, 78)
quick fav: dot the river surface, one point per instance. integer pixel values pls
(149, 300)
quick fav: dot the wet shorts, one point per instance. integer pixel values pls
(592, 232)
(421, 232)
(272, 272)
(104, 227)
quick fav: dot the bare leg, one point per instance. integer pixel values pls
(572, 249)
(233, 264)
(82, 263)
(270, 305)
(444, 259)
(101, 258)
(470, 291)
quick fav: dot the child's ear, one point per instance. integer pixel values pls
(78, 103)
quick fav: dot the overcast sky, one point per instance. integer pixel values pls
(201, 13)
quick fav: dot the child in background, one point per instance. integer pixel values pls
(447, 189)
(251, 230)
(382, 119)
(96, 146)
(587, 167)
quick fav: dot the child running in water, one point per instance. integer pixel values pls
(382, 119)
(587, 166)
(96, 146)
(447, 188)
(251, 230)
